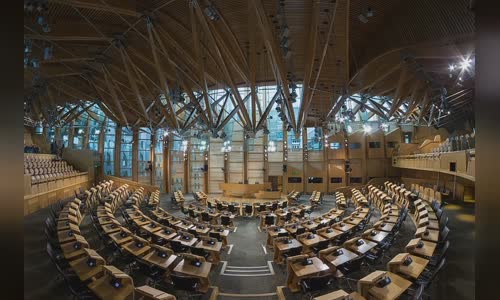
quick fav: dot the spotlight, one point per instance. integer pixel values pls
(465, 64)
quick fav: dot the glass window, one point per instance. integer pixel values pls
(109, 148)
(315, 179)
(294, 179)
(144, 154)
(354, 145)
(335, 146)
(126, 153)
(314, 138)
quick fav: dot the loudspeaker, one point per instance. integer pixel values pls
(453, 167)
(284, 168)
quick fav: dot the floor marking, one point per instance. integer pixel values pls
(235, 229)
(247, 271)
(270, 264)
(247, 295)
(230, 249)
(263, 247)
(237, 267)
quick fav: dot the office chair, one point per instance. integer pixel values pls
(226, 221)
(248, 209)
(269, 220)
(292, 252)
(178, 247)
(437, 258)
(193, 232)
(215, 235)
(313, 286)
(232, 208)
(443, 235)
(443, 222)
(352, 267)
(77, 288)
(320, 246)
(200, 252)
(187, 284)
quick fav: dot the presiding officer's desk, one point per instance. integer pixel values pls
(243, 190)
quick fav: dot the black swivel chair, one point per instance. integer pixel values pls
(200, 252)
(215, 235)
(178, 247)
(248, 209)
(320, 246)
(188, 284)
(292, 252)
(314, 286)
(269, 221)
(353, 267)
(226, 221)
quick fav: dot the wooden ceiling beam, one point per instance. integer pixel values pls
(201, 64)
(274, 53)
(310, 44)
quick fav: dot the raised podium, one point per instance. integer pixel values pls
(243, 190)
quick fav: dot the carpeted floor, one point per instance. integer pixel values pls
(247, 255)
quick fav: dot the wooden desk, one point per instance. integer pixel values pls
(391, 291)
(330, 235)
(202, 272)
(431, 236)
(165, 263)
(111, 227)
(354, 221)
(280, 248)
(69, 251)
(191, 242)
(152, 228)
(214, 250)
(344, 228)
(118, 239)
(272, 233)
(146, 292)
(389, 219)
(426, 251)
(379, 237)
(243, 190)
(413, 270)
(299, 271)
(387, 227)
(65, 236)
(362, 249)
(340, 295)
(104, 290)
(309, 243)
(83, 270)
(338, 260)
(183, 226)
(132, 248)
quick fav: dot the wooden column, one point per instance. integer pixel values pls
(118, 146)
(135, 154)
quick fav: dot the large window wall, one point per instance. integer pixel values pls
(109, 148)
(126, 153)
(144, 155)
